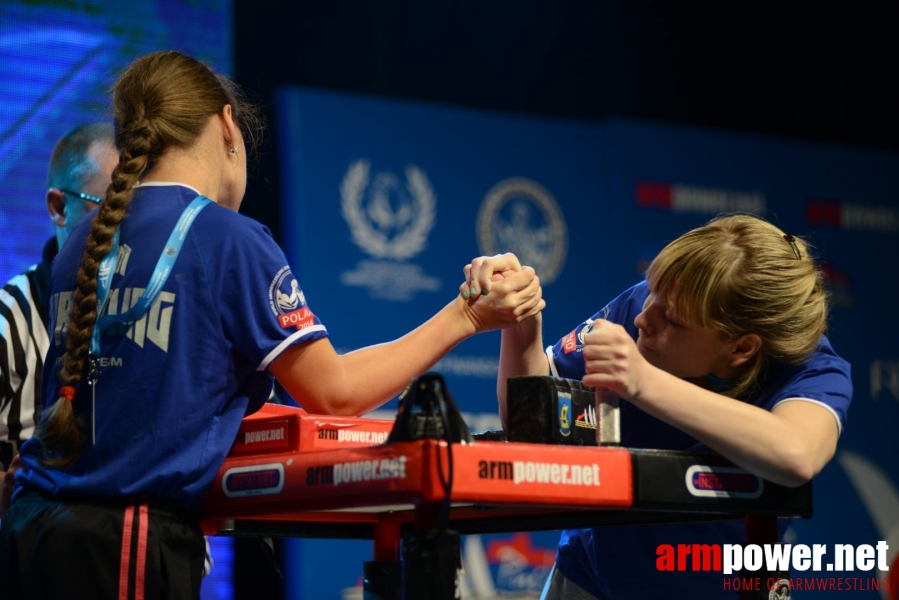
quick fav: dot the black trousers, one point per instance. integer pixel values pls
(95, 550)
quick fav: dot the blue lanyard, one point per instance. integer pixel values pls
(157, 280)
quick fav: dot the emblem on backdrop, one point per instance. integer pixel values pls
(519, 215)
(389, 218)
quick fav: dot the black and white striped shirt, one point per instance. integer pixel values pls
(23, 345)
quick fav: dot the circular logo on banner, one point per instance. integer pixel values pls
(520, 216)
(388, 218)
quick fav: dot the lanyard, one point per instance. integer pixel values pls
(157, 280)
(148, 297)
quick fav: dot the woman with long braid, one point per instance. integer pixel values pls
(170, 313)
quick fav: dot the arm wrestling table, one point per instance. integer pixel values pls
(291, 474)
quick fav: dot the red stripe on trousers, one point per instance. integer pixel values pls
(141, 553)
(124, 562)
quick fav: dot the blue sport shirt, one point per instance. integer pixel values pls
(175, 384)
(620, 562)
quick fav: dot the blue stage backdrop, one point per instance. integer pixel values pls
(58, 61)
(672, 179)
(384, 202)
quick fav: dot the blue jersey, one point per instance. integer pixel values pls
(175, 384)
(619, 562)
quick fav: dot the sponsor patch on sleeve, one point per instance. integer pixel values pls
(301, 319)
(569, 342)
(288, 302)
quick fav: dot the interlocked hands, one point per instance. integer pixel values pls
(499, 292)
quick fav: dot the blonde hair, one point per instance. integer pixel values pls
(740, 274)
(162, 100)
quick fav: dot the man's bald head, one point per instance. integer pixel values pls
(82, 162)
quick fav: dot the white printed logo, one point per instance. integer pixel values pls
(154, 326)
(103, 274)
(587, 328)
(391, 220)
(284, 293)
(288, 302)
(587, 419)
(520, 216)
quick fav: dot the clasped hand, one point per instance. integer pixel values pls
(499, 292)
(612, 360)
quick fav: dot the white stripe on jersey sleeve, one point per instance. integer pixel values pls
(816, 403)
(280, 347)
(552, 362)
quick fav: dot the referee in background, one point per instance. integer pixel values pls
(77, 179)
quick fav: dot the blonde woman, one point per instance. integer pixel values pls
(720, 348)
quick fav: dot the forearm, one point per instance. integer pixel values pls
(357, 382)
(371, 376)
(753, 438)
(362, 380)
(521, 354)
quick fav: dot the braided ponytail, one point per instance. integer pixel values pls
(59, 430)
(162, 100)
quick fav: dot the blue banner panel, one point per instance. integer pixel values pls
(384, 202)
(670, 179)
(58, 61)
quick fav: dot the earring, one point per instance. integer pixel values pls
(232, 150)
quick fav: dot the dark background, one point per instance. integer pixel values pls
(818, 72)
